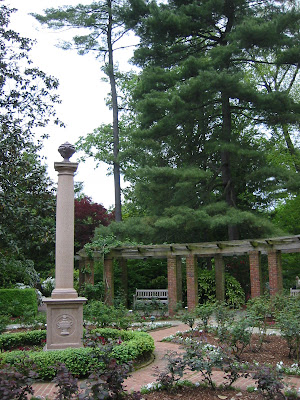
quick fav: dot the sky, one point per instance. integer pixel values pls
(81, 91)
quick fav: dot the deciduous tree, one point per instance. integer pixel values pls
(27, 100)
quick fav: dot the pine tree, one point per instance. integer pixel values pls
(201, 119)
(103, 22)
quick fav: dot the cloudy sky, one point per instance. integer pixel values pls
(81, 90)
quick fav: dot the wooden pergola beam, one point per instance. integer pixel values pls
(287, 244)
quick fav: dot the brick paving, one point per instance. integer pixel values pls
(146, 375)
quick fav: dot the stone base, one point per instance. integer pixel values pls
(64, 323)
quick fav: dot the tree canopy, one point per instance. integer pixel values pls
(200, 143)
(27, 101)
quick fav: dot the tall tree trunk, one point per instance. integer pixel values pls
(117, 181)
(230, 197)
(291, 148)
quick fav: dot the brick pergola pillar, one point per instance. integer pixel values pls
(275, 271)
(174, 283)
(124, 278)
(108, 278)
(255, 274)
(192, 282)
(220, 277)
(179, 279)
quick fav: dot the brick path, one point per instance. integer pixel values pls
(145, 375)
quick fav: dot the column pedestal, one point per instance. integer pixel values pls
(64, 323)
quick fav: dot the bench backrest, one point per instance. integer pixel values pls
(149, 293)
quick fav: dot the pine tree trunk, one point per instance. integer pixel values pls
(229, 192)
(291, 148)
(228, 185)
(116, 165)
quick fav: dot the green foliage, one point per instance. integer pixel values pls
(188, 318)
(204, 312)
(102, 315)
(93, 292)
(79, 361)
(234, 294)
(168, 379)
(27, 202)
(16, 301)
(14, 271)
(289, 325)
(4, 321)
(203, 358)
(197, 110)
(150, 307)
(9, 341)
(287, 215)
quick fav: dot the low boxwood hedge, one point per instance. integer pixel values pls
(79, 361)
(10, 341)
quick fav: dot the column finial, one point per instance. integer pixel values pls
(66, 150)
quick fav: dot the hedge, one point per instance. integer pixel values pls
(17, 301)
(11, 340)
(79, 361)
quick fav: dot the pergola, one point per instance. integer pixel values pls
(191, 252)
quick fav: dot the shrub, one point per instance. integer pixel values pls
(65, 382)
(17, 301)
(188, 318)
(13, 270)
(204, 312)
(98, 313)
(258, 310)
(4, 321)
(234, 294)
(16, 383)
(10, 341)
(173, 372)
(92, 292)
(134, 345)
(289, 323)
(47, 286)
(269, 381)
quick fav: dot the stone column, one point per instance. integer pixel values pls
(64, 308)
(192, 282)
(255, 274)
(220, 277)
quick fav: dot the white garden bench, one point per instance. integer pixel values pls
(294, 292)
(150, 294)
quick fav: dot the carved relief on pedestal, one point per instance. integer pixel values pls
(65, 325)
